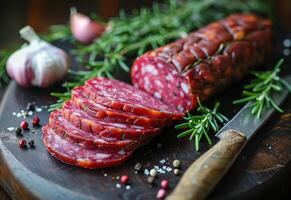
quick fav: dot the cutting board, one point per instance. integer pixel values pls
(34, 174)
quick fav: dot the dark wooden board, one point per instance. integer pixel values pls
(34, 174)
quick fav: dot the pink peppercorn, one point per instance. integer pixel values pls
(161, 194)
(124, 179)
(165, 184)
(22, 143)
(24, 124)
(35, 121)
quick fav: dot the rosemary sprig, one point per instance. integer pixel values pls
(58, 33)
(130, 36)
(260, 90)
(200, 125)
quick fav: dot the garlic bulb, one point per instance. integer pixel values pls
(83, 28)
(38, 63)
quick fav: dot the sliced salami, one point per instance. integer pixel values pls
(112, 115)
(118, 95)
(204, 62)
(86, 139)
(106, 129)
(67, 151)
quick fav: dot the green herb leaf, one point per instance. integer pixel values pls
(130, 36)
(260, 90)
(202, 124)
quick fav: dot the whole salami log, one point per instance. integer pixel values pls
(204, 62)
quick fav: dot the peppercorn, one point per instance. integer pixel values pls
(18, 131)
(31, 143)
(137, 167)
(22, 143)
(176, 163)
(35, 121)
(165, 184)
(161, 194)
(176, 171)
(151, 179)
(124, 179)
(153, 172)
(24, 124)
(30, 106)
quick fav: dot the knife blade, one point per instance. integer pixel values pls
(248, 124)
(204, 173)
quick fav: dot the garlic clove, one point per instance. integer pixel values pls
(84, 29)
(38, 63)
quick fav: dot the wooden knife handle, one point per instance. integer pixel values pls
(201, 177)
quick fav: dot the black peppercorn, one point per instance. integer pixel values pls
(137, 167)
(18, 131)
(31, 143)
(30, 106)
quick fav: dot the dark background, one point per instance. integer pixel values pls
(40, 14)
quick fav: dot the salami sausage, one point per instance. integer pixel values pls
(71, 153)
(118, 95)
(112, 115)
(106, 129)
(107, 119)
(86, 139)
(205, 62)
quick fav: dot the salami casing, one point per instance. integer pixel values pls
(118, 95)
(204, 62)
(86, 139)
(108, 114)
(71, 153)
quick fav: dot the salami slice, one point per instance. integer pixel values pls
(106, 129)
(112, 115)
(118, 95)
(86, 139)
(69, 152)
(204, 62)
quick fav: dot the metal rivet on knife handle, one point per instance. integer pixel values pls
(201, 177)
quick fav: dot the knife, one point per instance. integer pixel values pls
(204, 173)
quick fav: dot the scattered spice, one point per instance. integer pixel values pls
(176, 171)
(22, 143)
(10, 128)
(31, 144)
(151, 179)
(137, 167)
(24, 124)
(165, 184)
(153, 172)
(176, 163)
(146, 172)
(35, 121)
(128, 187)
(124, 179)
(161, 194)
(31, 106)
(163, 161)
(18, 131)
